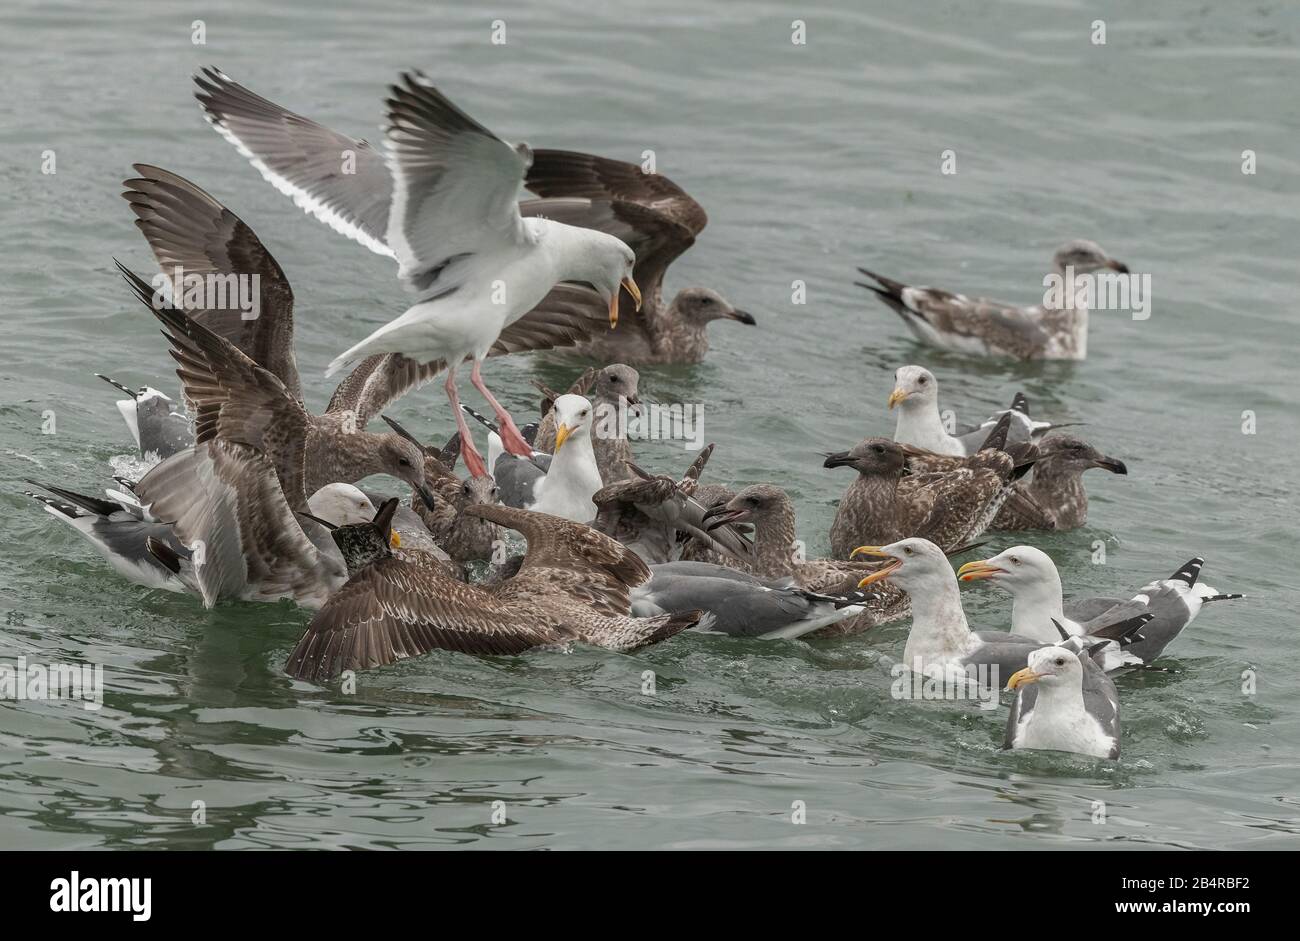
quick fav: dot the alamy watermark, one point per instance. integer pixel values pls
(38, 681)
(680, 421)
(1099, 290)
(977, 682)
(213, 291)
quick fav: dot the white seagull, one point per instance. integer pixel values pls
(442, 200)
(1064, 702)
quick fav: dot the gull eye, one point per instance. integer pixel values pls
(1060, 661)
(921, 381)
(613, 379)
(403, 462)
(1015, 561)
(707, 301)
(907, 550)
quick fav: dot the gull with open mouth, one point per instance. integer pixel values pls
(977, 325)
(441, 200)
(1031, 577)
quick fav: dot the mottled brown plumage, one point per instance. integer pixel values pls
(1055, 497)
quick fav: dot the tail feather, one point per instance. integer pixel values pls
(1189, 573)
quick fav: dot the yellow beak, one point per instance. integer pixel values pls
(979, 569)
(562, 435)
(868, 550)
(896, 396)
(1021, 677)
(395, 540)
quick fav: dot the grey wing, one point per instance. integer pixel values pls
(1101, 700)
(1083, 610)
(740, 609)
(517, 479)
(712, 570)
(1007, 652)
(162, 431)
(342, 181)
(1170, 615)
(1021, 707)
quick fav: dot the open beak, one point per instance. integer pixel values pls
(895, 397)
(562, 435)
(883, 573)
(743, 316)
(632, 289)
(977, 570)
(1021, 677)
(719, 516)
(426, 496)
(1119, 266)
(1113, 465)
(395, 540)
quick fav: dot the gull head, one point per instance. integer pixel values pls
(364, 543)
(605, 262)
(341, 505)
(1018, 569)
(573, 418)
(703, 305)
(479, 491)
(1071, 455)
(618, 381)
(1050, 666)
(914, 386)
(912, 564)
(403, 458)
(874, 457)
(752, 504)
(1085, 256)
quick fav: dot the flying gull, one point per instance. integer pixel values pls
(441, 201)
(574, 585)
(950, 508)
(977, 325)
(1064, 702)
(1058, 499)
(158, 425)
(659, 221)
(1035, 586)
(916, 395)
(742, 605)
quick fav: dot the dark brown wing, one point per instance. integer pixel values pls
(234, 399)
(568, 315)
(188, 229)
(396, 609)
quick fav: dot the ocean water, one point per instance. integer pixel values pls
(810, 159)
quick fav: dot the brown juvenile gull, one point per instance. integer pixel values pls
(1030, 575)
(977, 325)
(950, 508)
(659, 220)
(614, 393)
(441, 200)
(574, 585)
(236, 399)
(1057, 497)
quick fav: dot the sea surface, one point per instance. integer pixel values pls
(811, 159)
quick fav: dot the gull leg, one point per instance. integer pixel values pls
(473, 459)
(510, 437)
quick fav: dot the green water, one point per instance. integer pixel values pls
(810, 160)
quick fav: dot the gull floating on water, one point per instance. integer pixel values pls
(976, 325)
(614, 388)
(1064, 702)
(1035, 586)
(573, 585)
(441, 201)
(660, 221)
(1057, 497)
(160, 427)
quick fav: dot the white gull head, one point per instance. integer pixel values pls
(341, 504)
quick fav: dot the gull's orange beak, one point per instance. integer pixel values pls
(562, 435)
(977, 570)
(395, 540)
(895, 397)
(1021, 677)
(875, 576)
(630, 286)
(868, 550)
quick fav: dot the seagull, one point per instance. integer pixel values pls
(916, 395)
(1064, 702)
(742, 605)
(1058, 499)
(573, 585)
(614, 392)
(1035, 586)
(976, 325)
(660, 221)
(440, 201)
(158, 425)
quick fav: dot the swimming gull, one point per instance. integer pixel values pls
(1064, 702)
(441, 201)
(574, 585)
(660, 221)
(977, 325)
(742, 605)
(1059, 498)
(1036, 600)
(614, 393)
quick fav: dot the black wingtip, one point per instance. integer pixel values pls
(1189, 573)
(1020, 404)
(997, 439)
(164, 554)
(116, 385)
(1065, 635)
(1234, 596)
(483, 420)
